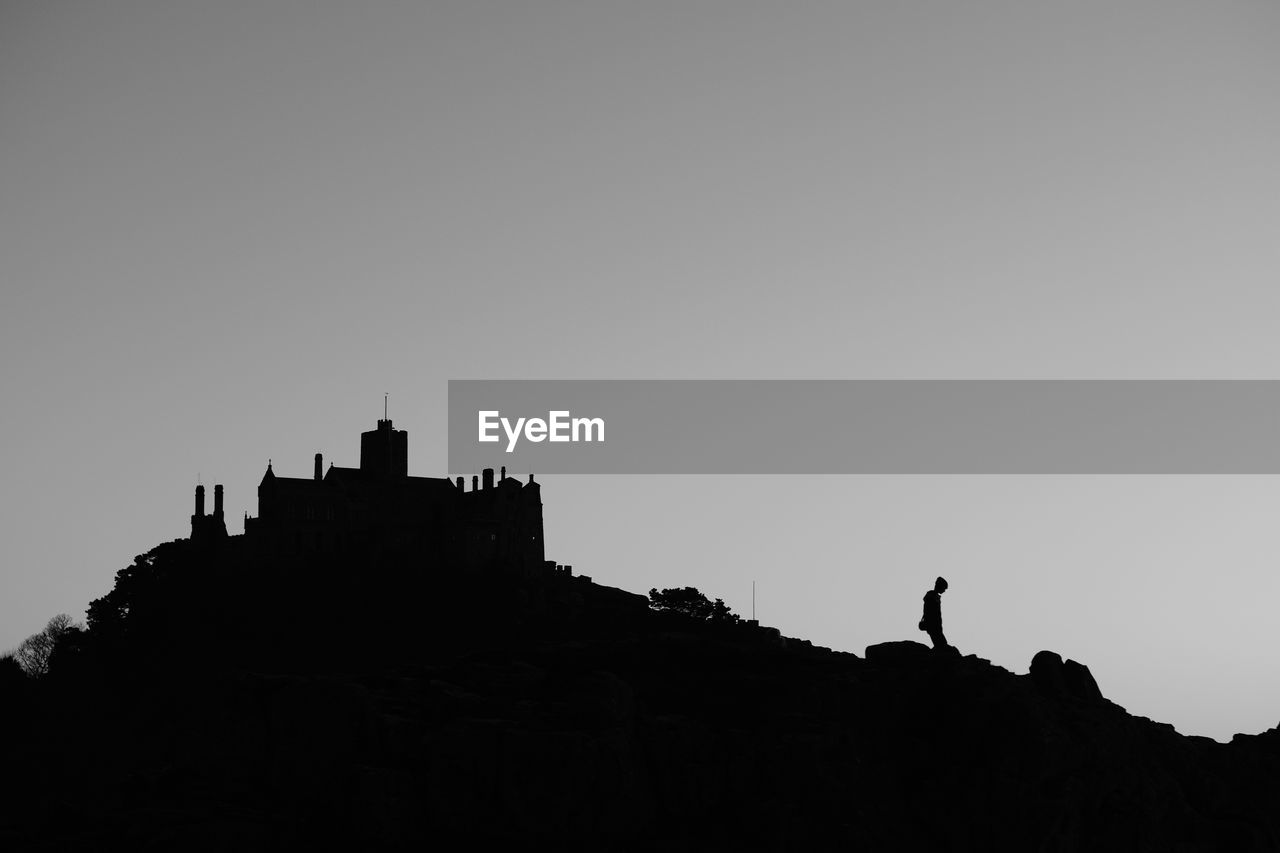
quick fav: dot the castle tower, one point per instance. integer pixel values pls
(384, 452)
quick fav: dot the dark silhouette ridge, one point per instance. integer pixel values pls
(396, 690)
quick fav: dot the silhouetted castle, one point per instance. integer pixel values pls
(380, 506)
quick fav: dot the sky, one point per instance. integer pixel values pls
(226, 230)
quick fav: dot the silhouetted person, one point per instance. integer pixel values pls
(932, 620)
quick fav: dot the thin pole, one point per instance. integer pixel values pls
(753, 601)
(384, 406)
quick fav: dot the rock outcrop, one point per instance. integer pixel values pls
(671, 737)
(598, 725)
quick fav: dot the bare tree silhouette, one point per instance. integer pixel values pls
(34, 653)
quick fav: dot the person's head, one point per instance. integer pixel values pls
(940, 585)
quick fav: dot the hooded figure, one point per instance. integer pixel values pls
(931, 622)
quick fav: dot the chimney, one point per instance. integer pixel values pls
(504, 474)
(217, 501)
(488, 478)
(459, 483)
(319, 463)
(475, 483)
(200, 501)
(530, 478)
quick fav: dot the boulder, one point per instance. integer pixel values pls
(898, 653)
(1046, 672)
(1058, 678)
(1080, 682)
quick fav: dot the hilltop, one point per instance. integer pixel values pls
(221, 701)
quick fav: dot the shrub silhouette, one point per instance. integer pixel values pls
(11, 672)
(688, 601)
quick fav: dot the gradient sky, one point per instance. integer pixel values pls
(227, 228)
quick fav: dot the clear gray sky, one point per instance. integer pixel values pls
(227, 228)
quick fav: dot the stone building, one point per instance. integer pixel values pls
(380, 506)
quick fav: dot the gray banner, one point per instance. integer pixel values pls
(865, 427)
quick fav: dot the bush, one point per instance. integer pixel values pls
(11, 671)
(688, 601)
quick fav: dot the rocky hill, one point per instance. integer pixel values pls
(481, 712)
